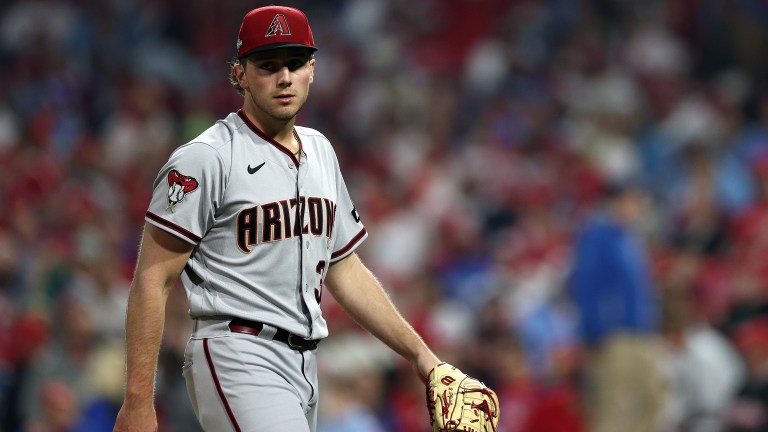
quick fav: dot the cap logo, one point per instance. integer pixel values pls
(278, 27)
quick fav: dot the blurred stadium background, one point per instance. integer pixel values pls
(475, 136)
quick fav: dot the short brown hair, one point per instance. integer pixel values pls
(232, 77)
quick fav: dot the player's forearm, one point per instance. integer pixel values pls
(162, 256)
(143, 336)
(361, 295)
(373, 310)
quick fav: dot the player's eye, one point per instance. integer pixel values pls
(295, 64)
(268, 66)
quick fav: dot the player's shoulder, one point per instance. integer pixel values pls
(219, 135)
(213, 147)
(217, 138)
(314, 139)
(309, 134)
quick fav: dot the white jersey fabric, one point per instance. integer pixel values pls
(265, 227)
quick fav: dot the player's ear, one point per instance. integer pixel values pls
(311, 70)
(239, 71)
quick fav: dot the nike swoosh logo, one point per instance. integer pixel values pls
(253, 170)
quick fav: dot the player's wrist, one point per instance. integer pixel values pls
(139, 398)
(424, 363)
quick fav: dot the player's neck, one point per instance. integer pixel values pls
(277, 130)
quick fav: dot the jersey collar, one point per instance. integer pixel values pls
(264, 136)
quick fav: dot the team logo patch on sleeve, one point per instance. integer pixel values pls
(179, 185)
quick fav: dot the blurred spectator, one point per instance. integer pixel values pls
(699, 200)
(617, 303)
(693, 349)
(350, 367)
(515, 384)
(749, 410)
(72, 378)
(62, 413)
(344, 413)
(22, 340)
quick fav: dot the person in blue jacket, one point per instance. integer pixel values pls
(613, 290)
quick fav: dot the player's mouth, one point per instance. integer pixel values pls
(284, 98)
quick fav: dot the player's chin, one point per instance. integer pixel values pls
(285, 113)
(283, 117)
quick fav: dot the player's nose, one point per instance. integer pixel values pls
(283, 76)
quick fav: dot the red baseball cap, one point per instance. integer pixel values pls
(273, 27)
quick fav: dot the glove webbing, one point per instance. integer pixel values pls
(484, 406)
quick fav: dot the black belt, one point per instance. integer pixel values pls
(298, 343)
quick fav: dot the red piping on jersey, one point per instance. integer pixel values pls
(173, 226)
(264, 136)
(223, 397)
(349, 245)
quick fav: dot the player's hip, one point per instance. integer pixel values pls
(229, 376)
(243, 359)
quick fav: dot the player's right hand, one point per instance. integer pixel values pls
(136, 419)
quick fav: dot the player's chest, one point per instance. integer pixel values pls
(256, 179)
(273, 199)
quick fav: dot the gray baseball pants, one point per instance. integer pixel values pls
(245, 383)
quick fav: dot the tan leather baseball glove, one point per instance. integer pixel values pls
(458, 402)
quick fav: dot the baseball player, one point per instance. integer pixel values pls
(255, 216)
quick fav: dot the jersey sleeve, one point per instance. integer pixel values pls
(187, 192)
(349, 230)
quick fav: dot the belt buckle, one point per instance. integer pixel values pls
(304, 345)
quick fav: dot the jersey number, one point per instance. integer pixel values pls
(319, 269)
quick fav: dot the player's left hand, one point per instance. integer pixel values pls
(458, 402)
(136, 419)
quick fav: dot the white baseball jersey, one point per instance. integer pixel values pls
(265, 227)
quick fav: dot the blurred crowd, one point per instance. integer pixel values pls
(478, 138)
